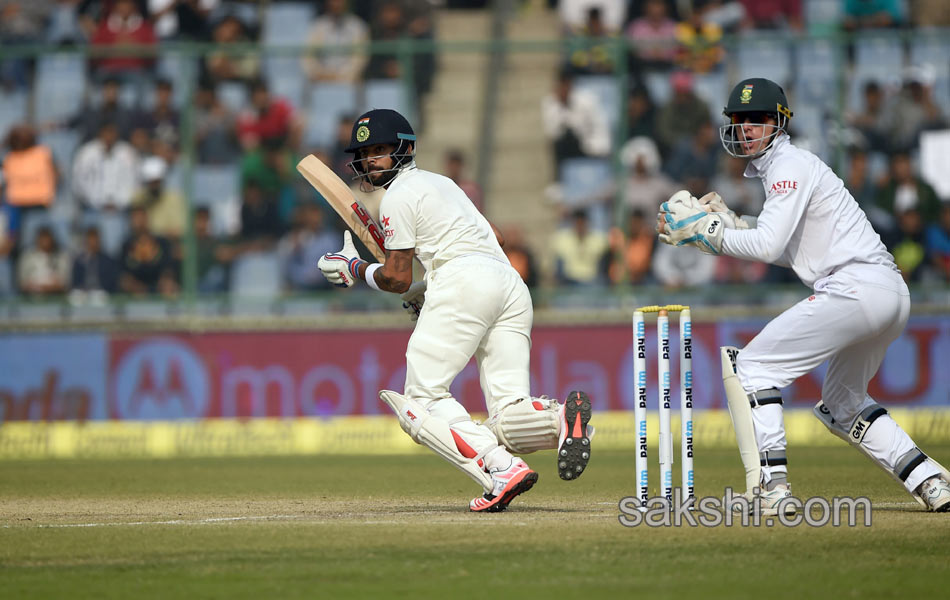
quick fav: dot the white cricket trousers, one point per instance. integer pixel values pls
(478, 306)
(850, 320)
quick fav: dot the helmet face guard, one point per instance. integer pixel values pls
(733, 138)
(381, 126)
(401, 156)
(752, 102)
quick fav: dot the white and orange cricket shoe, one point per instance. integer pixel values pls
(573, 446)
(508, 483)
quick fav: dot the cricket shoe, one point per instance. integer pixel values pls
(573, 445)
(766, 503)
(507, 483)
(936, 493)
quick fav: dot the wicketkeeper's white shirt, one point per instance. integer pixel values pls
(810, 222)
(429, 212)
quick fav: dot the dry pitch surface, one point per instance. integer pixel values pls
(397, 527)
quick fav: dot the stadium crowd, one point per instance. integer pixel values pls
(93, 200)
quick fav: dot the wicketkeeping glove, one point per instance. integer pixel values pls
(414, 298)
(340, 268)
(713, 203)
(683, 221)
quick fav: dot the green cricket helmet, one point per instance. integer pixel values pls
(753, 101)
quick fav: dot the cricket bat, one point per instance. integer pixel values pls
(342, 200)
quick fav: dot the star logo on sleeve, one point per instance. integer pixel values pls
(385, 221)
(387, 230)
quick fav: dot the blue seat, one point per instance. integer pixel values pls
(178, 69)
(113, 229)
(328, 102)
(286, 79)
(604, 87)
(822, 16)
(764, 57)
(658, 84)
(234, 95)
(877, 56)
(933, 49)
(218, 188)
(714, 89)
(63, 143)
(387, 93)
(287, 23)
(60, 86)
(13, 110)
(256, 275)
(584, 180)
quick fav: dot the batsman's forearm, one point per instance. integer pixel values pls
(393, 276)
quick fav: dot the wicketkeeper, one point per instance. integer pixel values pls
(859, 306)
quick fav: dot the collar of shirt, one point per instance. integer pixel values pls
(757, 167)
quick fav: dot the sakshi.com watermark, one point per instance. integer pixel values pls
(734, 509)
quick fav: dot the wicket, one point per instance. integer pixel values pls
(663, 383)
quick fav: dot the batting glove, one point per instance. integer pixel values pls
(341, 268)
(413, 299)
(683, 221)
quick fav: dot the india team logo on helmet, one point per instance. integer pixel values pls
(362, 130)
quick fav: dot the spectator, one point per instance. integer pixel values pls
(339, 159)
(937, 244)
(682, 115)
(215, 128)
(272, 167)
(580, 254)
(90, 118)
(641, 114)
(332, 33)
(95, 274)
(744, 195)
(653, 36)
(165, 208)
(124, 24)
(683, 267)
(870, 14)
(146, 260)
(260, 220)
(727, 14)
(590, 49)
(905, 191)
(574, 13)
(161, 123)
(699, 42)
(773, 14)
(455, 170)
(635, 250)
(909, 246)
(267, 117)
(574, 121)
(520, 255)
(7, 244)
(646, 186)
(697, 156)
(858, 179)
(930, 13)
(185, 20)
(214, 256)
(64, 24)
(914, 109)
(420, 27)
(22, 22)
(301, 248)
(225, 64)
(105, 171)
(29, 173)
(872, 119)
(44, 269)
(389, 25)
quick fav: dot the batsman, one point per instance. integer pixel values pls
(860, 303)
(471, 302)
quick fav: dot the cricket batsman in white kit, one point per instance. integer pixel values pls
(470, 303)
(811, 223)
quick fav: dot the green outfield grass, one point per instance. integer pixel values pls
(398, 527)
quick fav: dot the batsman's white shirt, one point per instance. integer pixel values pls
(476, 303)
(811, 223)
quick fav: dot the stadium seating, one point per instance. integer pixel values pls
(604, 87)
(285, 79)
(327, 103)
(387, 93)
(256, 275)
(287, 23)
(764, 57)
(218, 188)
(816, 74)
(822, 16)
(60, 86)
(113, 229)
(584, 180)
(13, 109)
(234, 95)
